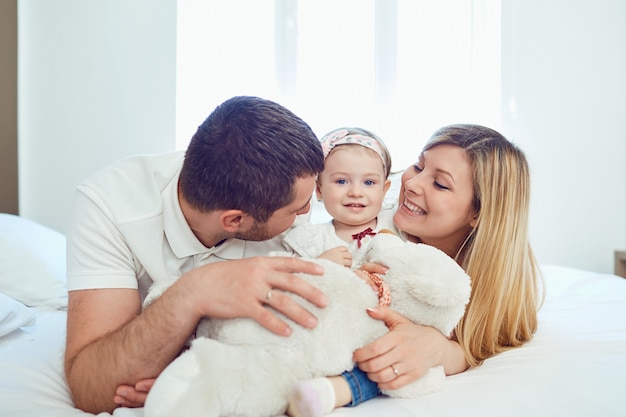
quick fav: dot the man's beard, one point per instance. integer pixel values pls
(257, 233)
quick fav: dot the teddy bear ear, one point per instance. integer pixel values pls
(384, 241)
(441, 281)
(386, 238)
(453, 292)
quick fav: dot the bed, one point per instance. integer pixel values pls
(575, 366)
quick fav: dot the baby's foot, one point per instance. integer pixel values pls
(311, 398)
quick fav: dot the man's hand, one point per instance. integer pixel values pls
(133, 396)
(245, 288)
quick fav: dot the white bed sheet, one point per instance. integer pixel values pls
(575, 365)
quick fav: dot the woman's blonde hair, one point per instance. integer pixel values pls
(496, 254)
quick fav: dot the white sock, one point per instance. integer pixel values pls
(311, 398)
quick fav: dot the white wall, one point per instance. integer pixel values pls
(564, 99)
(97, 82)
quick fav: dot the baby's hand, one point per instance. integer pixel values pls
(340, 255)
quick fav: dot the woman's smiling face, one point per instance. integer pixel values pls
(435, 201)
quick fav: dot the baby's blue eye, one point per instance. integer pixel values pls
(341, 182)
(369, 182)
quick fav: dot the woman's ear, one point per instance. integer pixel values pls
(474, 222)
(232, 220)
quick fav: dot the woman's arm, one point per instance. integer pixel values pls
(411, 349)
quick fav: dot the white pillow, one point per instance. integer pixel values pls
(32, 262)
(14, 315)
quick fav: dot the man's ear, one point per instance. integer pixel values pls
(232, 220)
(318, 191)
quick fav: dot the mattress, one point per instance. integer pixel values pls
(574, 366)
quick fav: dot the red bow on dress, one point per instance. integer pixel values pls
(361, 235)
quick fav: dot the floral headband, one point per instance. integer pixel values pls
(343, 137)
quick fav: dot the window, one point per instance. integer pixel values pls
(401, 68)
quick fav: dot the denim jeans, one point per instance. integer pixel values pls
(361, 386)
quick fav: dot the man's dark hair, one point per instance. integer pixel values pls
(247, 155)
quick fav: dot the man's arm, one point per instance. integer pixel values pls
(110, 342)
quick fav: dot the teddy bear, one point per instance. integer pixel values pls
(242, 369)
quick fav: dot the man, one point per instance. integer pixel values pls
(248, 171)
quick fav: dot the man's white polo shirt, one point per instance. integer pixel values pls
(128, 229)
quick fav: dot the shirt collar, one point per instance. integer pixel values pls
(180, 236)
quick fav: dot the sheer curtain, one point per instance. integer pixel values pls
(401, 68)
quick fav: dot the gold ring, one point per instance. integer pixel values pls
(268, 296)
(395, 371)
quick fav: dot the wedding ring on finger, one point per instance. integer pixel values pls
(395, 371)
(268, 297)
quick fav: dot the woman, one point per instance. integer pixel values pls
(468, 195)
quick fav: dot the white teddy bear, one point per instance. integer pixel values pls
(242, 369)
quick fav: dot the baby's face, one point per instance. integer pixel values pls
(353, 184)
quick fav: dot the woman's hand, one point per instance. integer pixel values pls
(133, 396)
(407, 352)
